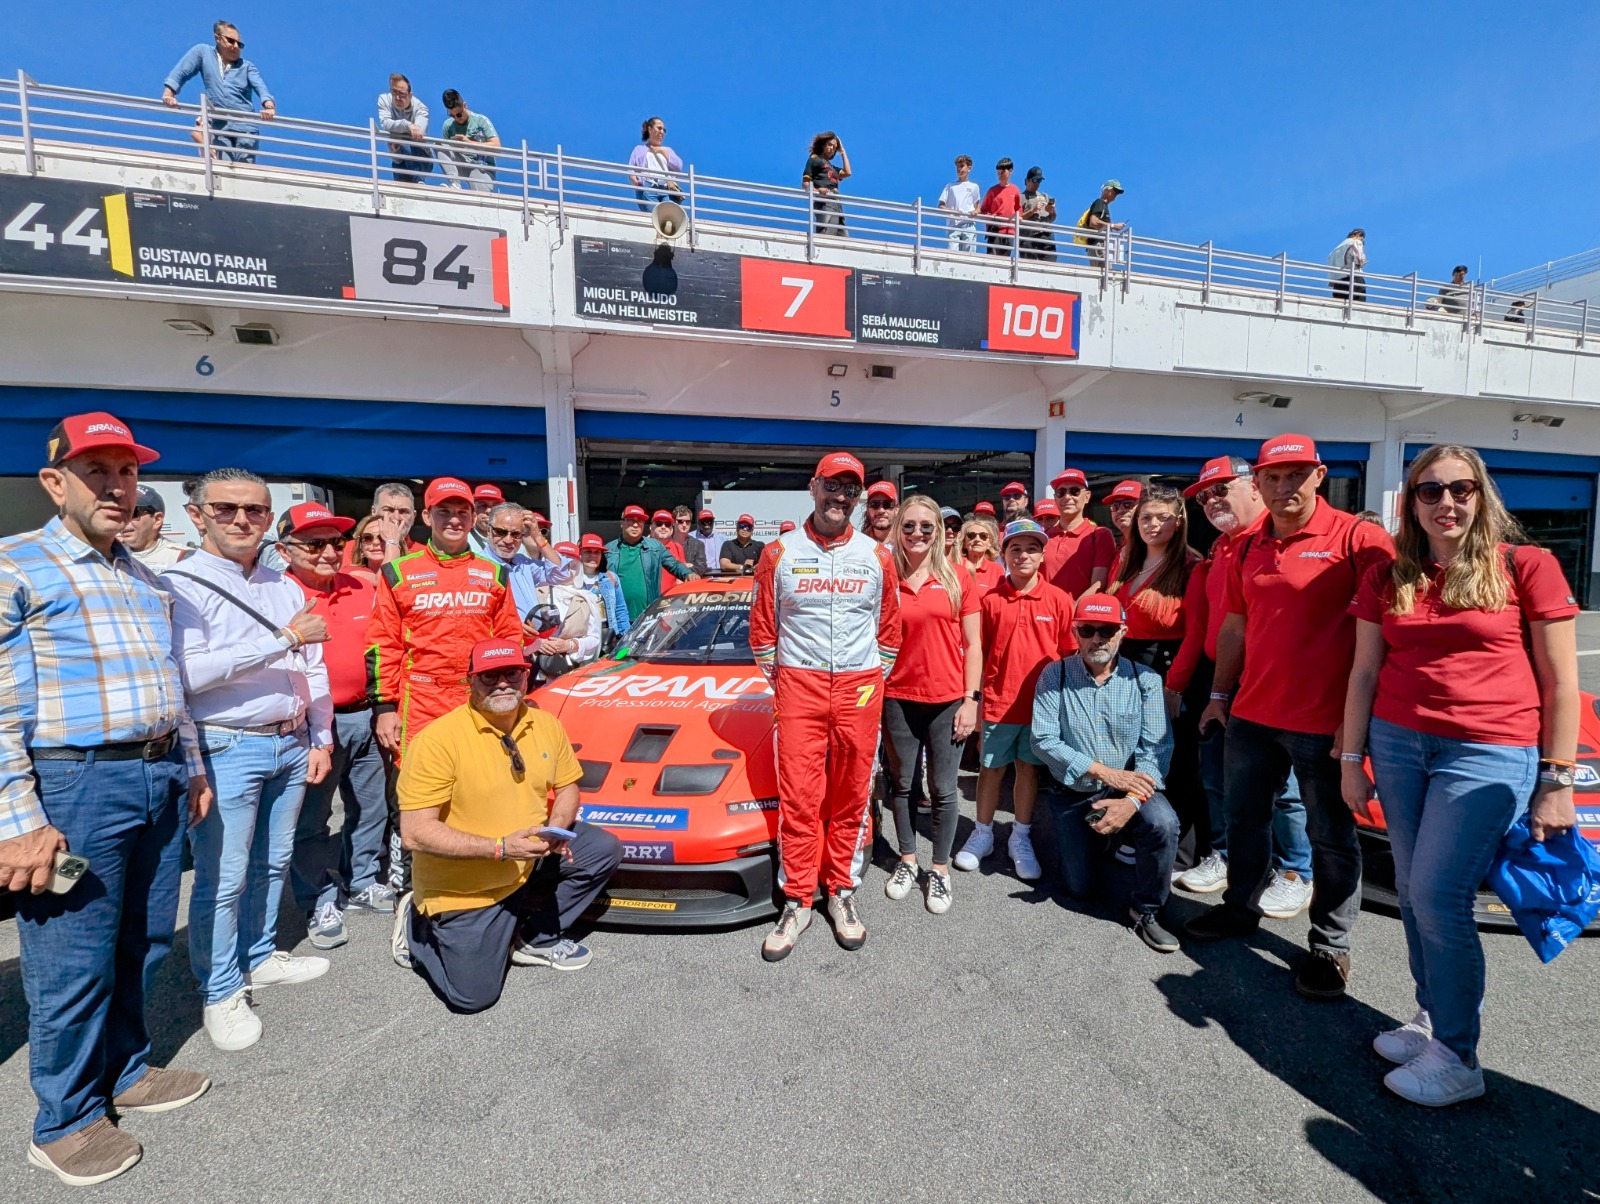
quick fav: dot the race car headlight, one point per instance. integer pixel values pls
(750, 850)
(691, 779)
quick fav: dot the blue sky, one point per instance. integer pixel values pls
(1452, 131)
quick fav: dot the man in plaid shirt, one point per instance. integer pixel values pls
(96, 755)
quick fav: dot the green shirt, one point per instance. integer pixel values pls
(630, 572)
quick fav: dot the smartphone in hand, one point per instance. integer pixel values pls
(549, 833)
(69, 867)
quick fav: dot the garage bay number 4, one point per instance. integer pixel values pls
(79, 232)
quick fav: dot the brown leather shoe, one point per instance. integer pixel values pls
(1323, 975)
(162, 1089)
(93, 1154)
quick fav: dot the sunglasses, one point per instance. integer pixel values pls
(318, 546)
(226, 41)
(226, 512)
(145, 512)
(917, 528)
(505, 532)
(1429, 493)
(1071, 491)
(978, 536)
(1096, 631)
(843, 489)
(518, 765)
(879, 503)
(1213, 493)
(1123, 504)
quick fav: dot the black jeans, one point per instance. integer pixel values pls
(908, 727)
(1184, 788)
(1153, 833)
(464, 954)
(1256, 758)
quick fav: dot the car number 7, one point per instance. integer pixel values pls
(805, 285)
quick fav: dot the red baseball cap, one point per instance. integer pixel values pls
(1130, 491)
(592, 542)
(539, 520)
(488, 493)
(1068, 477)
(703, 515)
(984, 508)
(883, 489)
(638, 512)
(1286, 449)
(1046, 508)
(841, 464)
(80, 433)
(745, 521)
(496, 654)
(661, 516)
(1101, 608)
(569, 550)
(1013, 488)
(443, 487)
(1218, 470)
(785, 527)
(312, 514)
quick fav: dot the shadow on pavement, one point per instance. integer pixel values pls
(1519, 1142)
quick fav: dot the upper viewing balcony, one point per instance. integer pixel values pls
(1147, 303)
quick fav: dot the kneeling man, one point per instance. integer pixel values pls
(1100, 726)
(492, 883)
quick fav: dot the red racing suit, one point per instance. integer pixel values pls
(430, 610)
(825, 629)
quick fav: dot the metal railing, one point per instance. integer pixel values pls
(213, 144)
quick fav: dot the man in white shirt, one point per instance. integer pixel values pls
(258, 692)
(1345, 262)
(962, 197)
(142, 536)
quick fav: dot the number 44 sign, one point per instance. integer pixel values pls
(421, 263)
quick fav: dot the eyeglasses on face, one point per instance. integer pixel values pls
(1096, 631)
(1429, 493)
(518, 765)
(1071, 491)
(909, 528)
(317, 546)
(845, 489)
(879, 503)
(505, 532)
(226, 512)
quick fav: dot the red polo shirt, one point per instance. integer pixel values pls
(1299, 635)
(346, 609)
(1022, 633)
(1205, 606)
(1071, 557)
(988, 574)
(931, 666)
(1465, 674)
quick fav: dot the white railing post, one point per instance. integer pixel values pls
(205, 141)
(809, 200)
(1283, 281)
(1533, 318)
(27, 124)
(1016, 244)
(1205, 284)
(525, 190)
(1583, 320)
(1411, 309)
(1483, 305)
(1127, 258)
(916, 246)
(372, 162)
(561, 194)
(691, 207)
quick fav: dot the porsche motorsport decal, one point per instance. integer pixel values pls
(656, 819)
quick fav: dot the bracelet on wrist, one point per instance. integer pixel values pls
(500, 849)
(1219, 696)
(1353, 758)
(1557, 761)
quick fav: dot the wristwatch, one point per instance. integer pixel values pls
(974, 696)
(1561, 775)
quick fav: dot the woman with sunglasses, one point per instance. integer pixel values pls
(979, 550)
(1464, 693)
(367, 540)
(931, 697)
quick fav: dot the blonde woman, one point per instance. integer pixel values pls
(1464, 693)
(978, 547)
(931, 697)
(368, 548)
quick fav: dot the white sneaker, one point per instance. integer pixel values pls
(232, 1024)
(979, 845)
(903, 881)
(1286, 896)
(282, 969)
(1020, 846)
(1435, 1078)
(937, 892)
(1209, 876)
(1400, 1045)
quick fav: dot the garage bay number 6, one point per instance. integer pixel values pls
(1026, 321)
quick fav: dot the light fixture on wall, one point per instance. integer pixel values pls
(838, 369)
(1276, 400)
(189, 326)
(1549, 420)
(255, 334)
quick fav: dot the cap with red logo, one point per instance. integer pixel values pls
(80, 433)
(568, 549)
(1024, 526)
(883, 489)
(488, 493)
(1067, 478)
(635, 512)
(746, 521)
(1286, 449)
(785, 527)
(592, 543)
(488, 655)
(1014, 489)
(1126, 491)
(307, 515)
(539, 520)
(662, 516)
(1218, 471)
(1046, 508)
(1102, 608)
(443, 487)
(841, 464)
(703, 515)
(984, 508)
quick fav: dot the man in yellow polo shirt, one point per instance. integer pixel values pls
(499, 872)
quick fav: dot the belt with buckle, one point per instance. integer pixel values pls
(352, 708)
(132, 750)
(287, 728)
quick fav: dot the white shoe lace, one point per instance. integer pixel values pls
(905, 874)
(328, 915)
(1433, 1063)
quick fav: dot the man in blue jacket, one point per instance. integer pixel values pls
(232, 82)
(638, 560)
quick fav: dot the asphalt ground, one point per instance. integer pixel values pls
(1018, 1048)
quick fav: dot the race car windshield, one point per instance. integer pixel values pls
(694, 629)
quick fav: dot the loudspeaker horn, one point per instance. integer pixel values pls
(669, 220)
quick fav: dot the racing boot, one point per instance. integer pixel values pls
(848, 929)
(781, 940)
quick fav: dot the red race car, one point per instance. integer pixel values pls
(675, 735)
(1377, 875)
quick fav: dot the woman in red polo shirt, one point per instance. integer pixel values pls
(979, 550)
(1464, 692)
(931, 697)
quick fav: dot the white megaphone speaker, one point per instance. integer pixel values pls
(669, 220)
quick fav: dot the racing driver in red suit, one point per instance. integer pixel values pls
(433, 605)
(825, 629)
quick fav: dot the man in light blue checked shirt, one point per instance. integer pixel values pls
(1100, 726)
(96, 755)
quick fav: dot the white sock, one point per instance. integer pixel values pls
(988, 827)
(1021, 829)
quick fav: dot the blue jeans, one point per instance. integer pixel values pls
(1153, 833)
(1291, 848)
(649, 198)
(358, 776)
(89, 956)
(235, 141)
(241, 853)
(963, 238)
(1448, 804)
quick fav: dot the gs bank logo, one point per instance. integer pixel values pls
(656, 819)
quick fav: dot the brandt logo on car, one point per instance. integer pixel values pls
(649, 685)
(656, 819)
